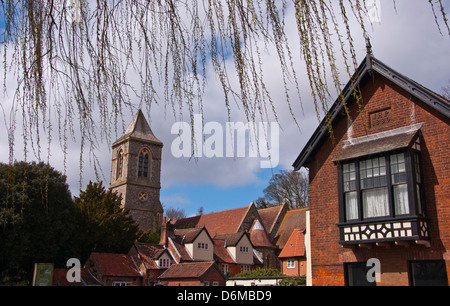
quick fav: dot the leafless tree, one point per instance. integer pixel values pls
(286, 187)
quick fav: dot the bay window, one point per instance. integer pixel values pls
(379, 187)
(380, 183)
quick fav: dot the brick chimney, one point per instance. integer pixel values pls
(167, 230)
(163, 240)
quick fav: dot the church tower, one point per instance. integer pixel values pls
(136, 172)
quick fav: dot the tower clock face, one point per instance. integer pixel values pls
(143, 196)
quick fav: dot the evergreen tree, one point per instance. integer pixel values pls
(36, 219)
(106, 227)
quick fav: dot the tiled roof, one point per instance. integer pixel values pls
(179, 249)
(292, 220)
(115, 265)
(269, 216)
(223, 222)
(231, 239)
(87, 279)
(188, 270)
(258, 236)
(148, 253)
(295, 246)
(221, 254)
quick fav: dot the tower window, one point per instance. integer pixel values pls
(144, 160)
(119, 165)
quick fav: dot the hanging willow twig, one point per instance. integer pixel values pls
(73, 58)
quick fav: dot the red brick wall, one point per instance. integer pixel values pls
(328, 257)
(299, 270)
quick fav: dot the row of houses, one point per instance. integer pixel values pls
(205, 250)
(379, 192)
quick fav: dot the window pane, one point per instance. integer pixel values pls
(419, 200)
(349, 176)
(401, 199)
(376, 203)
(351, 205)
(141, 160)
(374, 173)
(146, 165)
(398, 168)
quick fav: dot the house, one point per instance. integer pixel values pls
(193, 274)
(379, 188)
(262, 225)
(152, 260)
(293, 255)
(114, 269)
(240, 252)
(86, 278)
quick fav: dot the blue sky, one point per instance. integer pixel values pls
(406, 39)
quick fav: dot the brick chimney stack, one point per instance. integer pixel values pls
(163, 240)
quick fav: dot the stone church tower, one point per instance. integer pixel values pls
(136, 172)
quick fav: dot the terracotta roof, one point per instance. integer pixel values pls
(223, 222)
(258, 236)
(179, 248)
(188, 235)
(269, 216)
(115, 265)
(295, 246)
(221, 253)
(231, 239)
(87, 279)
(149, 252)
(188, 270)
(292, 220)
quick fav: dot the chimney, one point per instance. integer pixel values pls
(163, 240)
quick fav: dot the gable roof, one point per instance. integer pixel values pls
(115, 265)
(149, 252)
(189, 235)
(270, 216)
(233, 239)
(86, 278)
(292, 220)
(362, 75)
(189, 270)
(139, 129)
(258, 235)
(295, 246)
(223, 222)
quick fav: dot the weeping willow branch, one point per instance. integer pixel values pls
(74, 59)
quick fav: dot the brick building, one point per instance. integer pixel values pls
(380, 189)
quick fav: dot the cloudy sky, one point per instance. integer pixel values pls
(407, 39)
